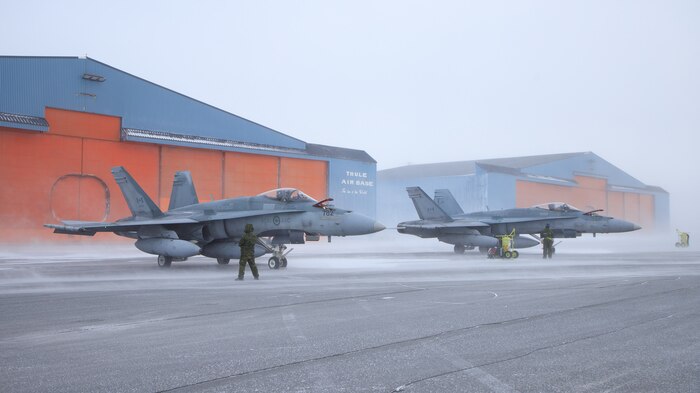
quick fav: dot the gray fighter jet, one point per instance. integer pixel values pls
(212, 229)
(446, 221)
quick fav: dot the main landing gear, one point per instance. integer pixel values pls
(164, 261)
(460, 248)
(279, 257)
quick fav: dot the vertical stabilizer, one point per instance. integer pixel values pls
(427, 208)
(184, 193)
(139, 203)
(447, 202)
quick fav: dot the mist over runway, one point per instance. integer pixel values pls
(352, 316)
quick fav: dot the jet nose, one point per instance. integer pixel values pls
(617, 225)
(358, 224)
(378, 227)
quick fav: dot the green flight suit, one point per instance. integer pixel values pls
(247, 244)
(547, 242)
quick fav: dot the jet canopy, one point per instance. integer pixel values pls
(557, 207)
(287, 195)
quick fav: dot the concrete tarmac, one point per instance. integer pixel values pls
(353, 321)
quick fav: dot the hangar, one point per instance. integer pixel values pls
(65, 121)
(583, 180)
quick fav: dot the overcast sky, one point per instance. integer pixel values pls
(417, 82)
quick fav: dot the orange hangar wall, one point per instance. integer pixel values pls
(65, 174)
(590, 193)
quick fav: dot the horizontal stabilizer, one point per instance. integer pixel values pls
(70, 230)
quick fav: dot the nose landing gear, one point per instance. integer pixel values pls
(279, 256)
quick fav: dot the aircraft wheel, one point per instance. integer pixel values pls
(222, 261)
(678, 244)
(507, 255)
(515, 254)
(273, 263)
(283, 262)
(164, 261)
(459, 249)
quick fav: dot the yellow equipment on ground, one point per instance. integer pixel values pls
(683, 239)
(505, 243)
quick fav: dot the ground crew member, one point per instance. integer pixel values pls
(247, 244)
(547, 242)
(684, 239)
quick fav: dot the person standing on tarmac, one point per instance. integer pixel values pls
(547, 242)
(247, 244)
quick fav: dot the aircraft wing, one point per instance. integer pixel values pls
(89, 228)
(452, 225)
(506, 220)
(214, 216)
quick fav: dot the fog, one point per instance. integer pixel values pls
(417, 82)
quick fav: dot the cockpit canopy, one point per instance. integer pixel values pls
(287, 195)
(557, 207)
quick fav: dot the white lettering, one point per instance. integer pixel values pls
(360, 181)
(356, 174)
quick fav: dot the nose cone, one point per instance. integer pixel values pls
(617, 225)
(378, 227)
(357, 224)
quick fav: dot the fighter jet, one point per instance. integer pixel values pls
(449, 224)
(212, 229)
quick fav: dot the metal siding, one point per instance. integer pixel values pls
(249, 174)
(28, 84)
(359, 198)
(309, 176)
(586, 164)
(646, 212)
(30, 165)
(631, 201)
(532, 193)
(140, 160)
(206, 167)
(616, 204)
(662, 211)
(80, 124)
(394, 205)
(500, 191)
(585, 198)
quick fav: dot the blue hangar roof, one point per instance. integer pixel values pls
(562, 167)
(149, 112)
